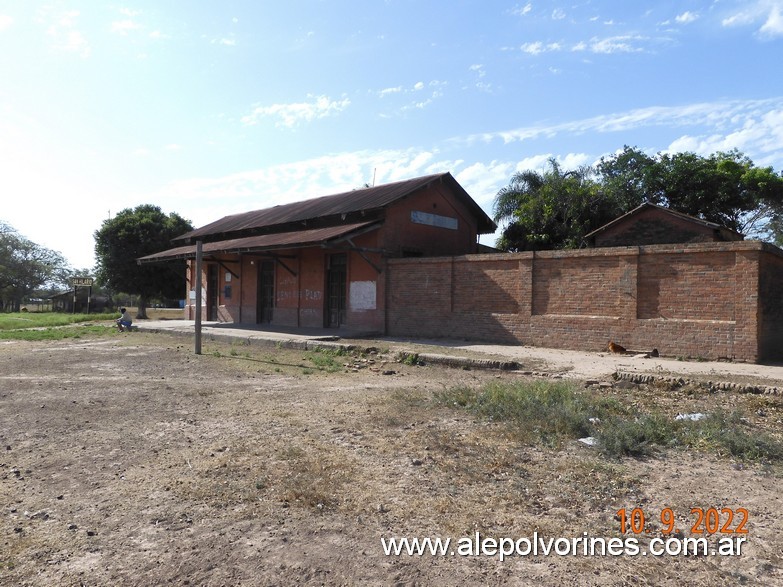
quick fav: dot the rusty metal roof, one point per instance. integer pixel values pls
(266, 242)
(356, 201)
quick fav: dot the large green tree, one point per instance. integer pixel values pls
(134, 233)
(725, 188)
(27, 268)
(556, 208)
(551, 209)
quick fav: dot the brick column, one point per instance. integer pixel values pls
(746, 306)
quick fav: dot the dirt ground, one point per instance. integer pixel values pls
(128, 460)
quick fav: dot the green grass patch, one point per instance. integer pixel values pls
(19, 320)
(719, 432)
(325, 359)
(548, 413)
(539, 411)
(60, 333)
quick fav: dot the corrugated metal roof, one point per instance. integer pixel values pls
(365, 199)
(260, 243)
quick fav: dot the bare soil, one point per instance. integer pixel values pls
(128, 460)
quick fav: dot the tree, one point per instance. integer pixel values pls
(134, 233)
(627, 178)
(553, 209)
(26, 267)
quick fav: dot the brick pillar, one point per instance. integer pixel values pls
(746, 306)
(526, 287)
(629, 286)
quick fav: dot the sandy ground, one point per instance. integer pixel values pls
(128, 460)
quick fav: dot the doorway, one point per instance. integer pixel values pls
(212, 293)
(336, 286)
(266, 292)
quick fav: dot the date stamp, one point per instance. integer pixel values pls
(701, 521)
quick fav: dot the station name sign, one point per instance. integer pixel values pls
(81, 281)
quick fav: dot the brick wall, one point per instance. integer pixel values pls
(708, 300)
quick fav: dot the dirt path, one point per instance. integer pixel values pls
(128, 460)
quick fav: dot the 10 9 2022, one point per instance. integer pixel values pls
(701, 521)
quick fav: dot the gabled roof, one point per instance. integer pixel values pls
(333, 209)
(650, 206)
(265, 242)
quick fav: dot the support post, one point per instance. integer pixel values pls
(197, 283)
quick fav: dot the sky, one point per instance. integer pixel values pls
(214, 108)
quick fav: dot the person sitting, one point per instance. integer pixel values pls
(124, 321)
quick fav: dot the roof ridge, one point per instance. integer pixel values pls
(365, 198)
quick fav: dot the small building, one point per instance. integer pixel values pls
(79, 301)
(322, 262)
(650, 224)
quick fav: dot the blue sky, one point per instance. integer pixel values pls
(213, 108)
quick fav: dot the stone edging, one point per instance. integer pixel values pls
(640, 378)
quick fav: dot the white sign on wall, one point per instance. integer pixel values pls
(362, 295)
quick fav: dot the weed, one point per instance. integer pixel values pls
(725, 433)
(718, 432)
(639, 437)
(408, 358)
(539, 411)
(325, 360)
(550, 412)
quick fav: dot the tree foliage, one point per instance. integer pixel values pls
(27, 268)
(556, 208)
(552, 209)
(134, 233)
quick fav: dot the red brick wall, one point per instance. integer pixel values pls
(694, 300)
(400, 234)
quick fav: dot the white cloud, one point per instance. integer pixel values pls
(291, 115)
(537, 47)
(753, 120)
(61, 27)
(5, 22)
(617, 44)
(767, 12)
(686, 17)
(558, 14)
(389, 91)
(532, 48)
(213, 198)
(123, 27)
(757, 132)
(523, 10)
(773, 27)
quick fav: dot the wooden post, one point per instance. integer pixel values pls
(197, 284)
